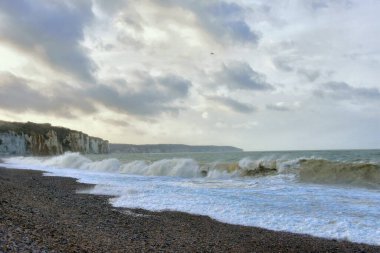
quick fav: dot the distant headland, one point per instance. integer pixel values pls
(169, 148)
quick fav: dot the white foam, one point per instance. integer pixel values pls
(221, 174)
(135, 167)
(246, 162)
(108, 165)
(271, 202)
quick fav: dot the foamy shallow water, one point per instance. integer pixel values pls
(278, 201)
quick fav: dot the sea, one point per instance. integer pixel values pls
(330, 194)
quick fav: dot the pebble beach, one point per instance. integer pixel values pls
(47, 214)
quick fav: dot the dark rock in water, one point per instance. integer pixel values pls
(261, 170)
(44, 139)
(251, 170)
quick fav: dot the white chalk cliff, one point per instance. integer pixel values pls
(43, 139)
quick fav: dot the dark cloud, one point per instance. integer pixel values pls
(17, 95)
(283, 64)
(224, 20)
(344, 91)
(51, 31)
(317, 5)
(240, 75)
(112, 121)
(152, 95)
(111, 6)
(309, 74)
(287, 65)
(278, 107)
(149, 96)
(233, 104)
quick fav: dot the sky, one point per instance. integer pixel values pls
(256, 74)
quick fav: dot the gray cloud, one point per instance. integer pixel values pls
(283, 64)
(309, 74)
(50, 31)
(17, 95)
(288, 65)
(155, 95)
(149, 97)
(224, 20)
(110, 6)
(240, 75)
(113, 122)
(233, 104)
(319, 4)
(324, 4)
(343, 91)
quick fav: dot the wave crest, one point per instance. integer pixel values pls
(332, 172)
(167, 167)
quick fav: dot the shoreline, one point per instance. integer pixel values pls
(39, 213)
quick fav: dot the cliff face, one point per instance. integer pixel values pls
(11, 143)
(44, 139)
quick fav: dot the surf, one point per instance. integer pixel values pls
(307, 170)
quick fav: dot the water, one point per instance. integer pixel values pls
(332, 194)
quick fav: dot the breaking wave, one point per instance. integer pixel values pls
(332, 172)
(306, 170)
(166, 167)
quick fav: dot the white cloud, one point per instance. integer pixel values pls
(205, 115)
(279, 106)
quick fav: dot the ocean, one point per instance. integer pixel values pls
(331, 194)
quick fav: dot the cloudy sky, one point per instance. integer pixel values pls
(257, 74)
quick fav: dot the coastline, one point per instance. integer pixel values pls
(40, 213)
